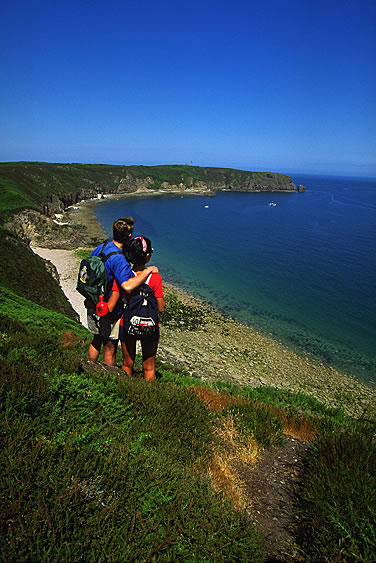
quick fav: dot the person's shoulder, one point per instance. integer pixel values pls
(156, 276)
(111, 247)
(98, 249)
(155, 279)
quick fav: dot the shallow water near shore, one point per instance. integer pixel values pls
(302, 271)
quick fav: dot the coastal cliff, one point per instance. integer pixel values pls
(35, 195)
(51, 188)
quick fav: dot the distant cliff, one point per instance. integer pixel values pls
(50, 188)
(33, 195)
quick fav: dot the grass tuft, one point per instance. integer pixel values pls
(339, 499)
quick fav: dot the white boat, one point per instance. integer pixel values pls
(272, 204)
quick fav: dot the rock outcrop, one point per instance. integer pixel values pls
(58, 203)
(38, 229)
(131, 184)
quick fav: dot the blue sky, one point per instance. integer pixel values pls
(278, 85)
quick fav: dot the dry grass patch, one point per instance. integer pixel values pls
(214, 400)
(230, 458)
(296, 425)
(68, 339)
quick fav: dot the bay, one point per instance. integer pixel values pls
(302, 271)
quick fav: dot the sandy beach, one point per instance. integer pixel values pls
(222, 349)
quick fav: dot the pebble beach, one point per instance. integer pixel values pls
(221, 348)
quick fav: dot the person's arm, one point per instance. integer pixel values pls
(114, 297)
(161, 304)
(131, 284)
(157, 286)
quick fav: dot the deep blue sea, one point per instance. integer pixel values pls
(302, 271)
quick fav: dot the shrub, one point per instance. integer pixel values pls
(255, 421)
(339, 496)
(172, 418)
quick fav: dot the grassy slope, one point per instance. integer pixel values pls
(122, 457)
(24, 273)
(130, 459)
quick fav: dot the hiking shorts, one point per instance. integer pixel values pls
(106, 326)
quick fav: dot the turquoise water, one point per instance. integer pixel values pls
(303, 271)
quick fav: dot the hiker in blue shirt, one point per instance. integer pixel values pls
(105, 329)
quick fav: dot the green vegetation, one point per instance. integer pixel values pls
(116, 468)
(178, 314)
(339, 497)
(24, 274)
(102, 467)
(113, 469)
(30, 184)
(13, 197)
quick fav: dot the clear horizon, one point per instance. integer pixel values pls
(283, 86)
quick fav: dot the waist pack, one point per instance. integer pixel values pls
(92, 276)
(140, 317)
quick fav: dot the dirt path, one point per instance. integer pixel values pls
(272, 487)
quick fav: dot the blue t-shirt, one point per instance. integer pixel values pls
(117, 266)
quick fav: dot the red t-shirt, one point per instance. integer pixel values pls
(155, 283)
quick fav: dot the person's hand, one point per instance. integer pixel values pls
(153, 269)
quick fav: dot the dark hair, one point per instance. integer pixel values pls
(137, 250)
(122, 229)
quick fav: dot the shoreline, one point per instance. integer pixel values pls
(82, 213)
(222, 348)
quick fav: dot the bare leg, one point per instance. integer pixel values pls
(95, 348)
(128, 348)
(149, 352)
(109, 352)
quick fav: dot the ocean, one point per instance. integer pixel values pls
(302, 271)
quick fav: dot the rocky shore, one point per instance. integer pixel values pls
(211, 347)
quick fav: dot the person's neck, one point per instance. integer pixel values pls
(118, 244)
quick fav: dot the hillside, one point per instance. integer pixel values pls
(52, 187)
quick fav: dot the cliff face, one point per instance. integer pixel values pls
(58, 203)
(181, 178)
(38, 229)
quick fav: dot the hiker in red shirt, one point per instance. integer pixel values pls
(140, 319)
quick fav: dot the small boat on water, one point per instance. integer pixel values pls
(272, 204)
(206, 206)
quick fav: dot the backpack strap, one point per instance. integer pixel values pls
(104, 256)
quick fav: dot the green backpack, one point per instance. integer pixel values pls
(92, 275)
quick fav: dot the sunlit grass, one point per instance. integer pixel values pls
(153, 469)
